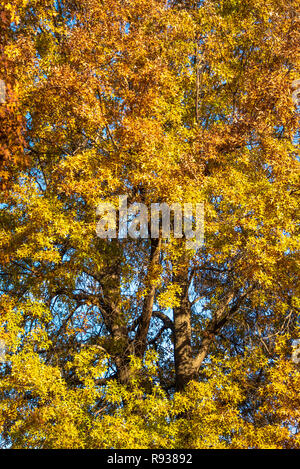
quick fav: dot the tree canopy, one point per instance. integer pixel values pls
(142, 343)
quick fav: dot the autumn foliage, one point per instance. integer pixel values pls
(142, 343)
(12, 141)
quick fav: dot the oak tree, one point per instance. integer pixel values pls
(142, 343)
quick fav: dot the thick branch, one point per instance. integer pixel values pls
(142, 332)
(221, 317)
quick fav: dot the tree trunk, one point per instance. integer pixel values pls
(184, 369)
